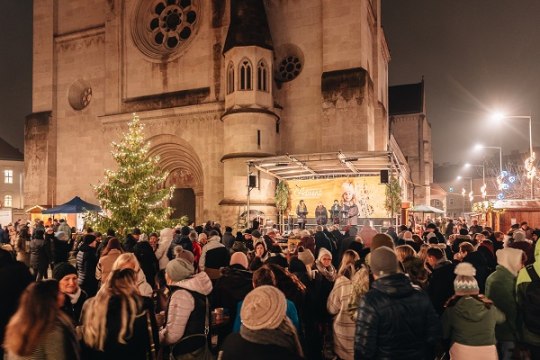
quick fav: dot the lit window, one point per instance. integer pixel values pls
(8, 176)
(8, 201)
(262, 76)
(230, 78)
(245, 75)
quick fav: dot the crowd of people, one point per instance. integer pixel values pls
(434, 291)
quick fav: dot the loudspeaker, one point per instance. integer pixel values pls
(384, 176)
(252, 181)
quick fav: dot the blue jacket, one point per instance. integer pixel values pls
(291, 314)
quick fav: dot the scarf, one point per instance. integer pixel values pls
(284, 336)
(329, 273)
(73, 298)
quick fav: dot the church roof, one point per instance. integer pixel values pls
(8, 152)
(406, 99)
(249, 25)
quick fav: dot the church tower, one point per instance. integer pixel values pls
(250, 122)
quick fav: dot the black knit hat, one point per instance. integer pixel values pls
(185, 230)
(63, 269)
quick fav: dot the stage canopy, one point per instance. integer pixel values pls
(333, 164)
(73, 206)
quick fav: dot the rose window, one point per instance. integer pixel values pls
(289, 68)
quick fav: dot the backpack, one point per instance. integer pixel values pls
(531, 303)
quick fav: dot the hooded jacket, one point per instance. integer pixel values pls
(181, 305)
(396, 321)
(500, 288)
(523, 280)
(470, 322)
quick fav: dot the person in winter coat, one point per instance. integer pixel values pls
(197, 250)
(500, 288)
(228, 238)
(214, 256)
(527, 334)
(440, 286)
(61, 247)
(119, 323)
(338, 306)
(469, 319)
(40, 255)
(129, 261)
(266, 332)
(74, 296)
(22, 245)
(109, 255)
(147, 260)
(321, 214)
(187, 310)
(165, 240)
(14, 278)
(64, 227)
(233, 286)
(323, 241)
(395, 319)
(39, 329)
(181, 239)
(521, 242)
(86, 265)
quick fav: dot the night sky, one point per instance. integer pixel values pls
(475, 56)
(15, 69)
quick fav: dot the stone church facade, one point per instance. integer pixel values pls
(216, 83)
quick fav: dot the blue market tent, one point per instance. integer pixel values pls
(73, 206)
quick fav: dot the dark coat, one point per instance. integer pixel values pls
(40, 254)
(441, 285)
(138, 345)
(183, 241)
(74, 310)
(61, 250)
(396, 321)
(482, 269)
(14, 278)
(236, 347)
(148, 261)
(323, 241)
(86, 269)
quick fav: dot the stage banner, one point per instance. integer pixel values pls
(366, 191)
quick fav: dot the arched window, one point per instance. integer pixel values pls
(245, 75)
(262, 76)
(8, 201)
(230, 78)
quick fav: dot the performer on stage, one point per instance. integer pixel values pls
(321, 214)
(350, 205)
(301, 211)
(335, 210)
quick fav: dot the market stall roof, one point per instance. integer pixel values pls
(331, 164)
(73, 206)
(36, 209)
(426, 209)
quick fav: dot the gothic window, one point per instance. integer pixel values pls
(161, 27)
(245, 75)
(8, 201)
(262, 76)
(230, 78)
(289, 68)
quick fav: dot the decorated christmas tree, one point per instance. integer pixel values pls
(133, 195)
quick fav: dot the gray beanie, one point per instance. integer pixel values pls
(384, 261)
(179, 269)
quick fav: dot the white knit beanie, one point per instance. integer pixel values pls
(465, 283)
(264, 307)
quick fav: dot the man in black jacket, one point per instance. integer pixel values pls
(395, 318)
(441, 282)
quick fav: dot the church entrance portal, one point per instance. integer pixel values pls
(183, 203)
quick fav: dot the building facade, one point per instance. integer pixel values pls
(12, 176)
(216, 82)
(412, 130)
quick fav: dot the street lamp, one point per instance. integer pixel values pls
(480, 147)
(529, 163)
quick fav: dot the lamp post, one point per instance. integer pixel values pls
(529, 163)
(480, 147)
